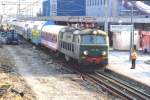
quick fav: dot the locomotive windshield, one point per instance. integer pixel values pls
(93, 39)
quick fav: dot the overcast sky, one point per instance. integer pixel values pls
(9, 9)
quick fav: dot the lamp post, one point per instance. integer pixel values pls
(106, 17)
(132, 32)
(3, 8)
(18, 10)
(120, 22)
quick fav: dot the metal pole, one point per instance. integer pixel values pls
(18, 8)
(132, 33)
(3, 8)
(106, 17)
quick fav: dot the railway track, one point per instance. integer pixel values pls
(117, 87)
(114, 86)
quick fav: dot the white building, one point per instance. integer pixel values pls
(121, 40)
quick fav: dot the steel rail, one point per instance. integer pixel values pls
(117, 88)
(125, 84)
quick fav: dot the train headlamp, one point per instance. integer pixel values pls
(95, 32)
(85, 53)
(103, 53)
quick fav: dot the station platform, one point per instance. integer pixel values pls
(119, 63)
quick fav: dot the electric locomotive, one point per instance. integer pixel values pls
(87, 46)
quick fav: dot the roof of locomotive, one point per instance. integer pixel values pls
(78, 31)
(93, 31)
(68, 29)
(89, 31)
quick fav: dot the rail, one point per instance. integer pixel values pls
(117, 87)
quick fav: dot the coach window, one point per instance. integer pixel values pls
(73, 47)
(49, 37)
(60, 44)
(52, 38)
(44, 35)
(61, 36)
(64, 45)
(76, 39)
(41, 34)
(69, 47)
(55, 38)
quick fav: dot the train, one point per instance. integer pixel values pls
(87, 46)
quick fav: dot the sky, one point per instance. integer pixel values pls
(11, 9)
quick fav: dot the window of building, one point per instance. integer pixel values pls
(98, 2)
(89, 2)
(101, 2)
(93, 2)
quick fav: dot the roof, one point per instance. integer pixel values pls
(39, 24)
(54, 29)
(73, 30)
(94, 31)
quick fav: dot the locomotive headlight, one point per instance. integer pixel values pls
(103, 53)
(85, 53)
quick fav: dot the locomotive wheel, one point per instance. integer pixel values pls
(67, 58)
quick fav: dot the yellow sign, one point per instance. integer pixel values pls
(35, 33)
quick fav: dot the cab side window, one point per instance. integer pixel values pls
(76, 39)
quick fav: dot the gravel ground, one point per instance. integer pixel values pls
(49, 80)
(17, 87)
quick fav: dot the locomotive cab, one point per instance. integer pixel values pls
(94, 47)
(87, 46)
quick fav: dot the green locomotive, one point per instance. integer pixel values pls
(87, 46)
